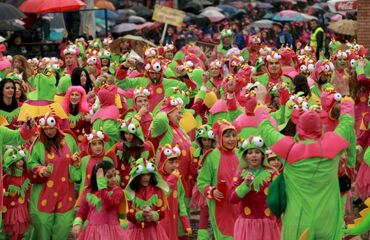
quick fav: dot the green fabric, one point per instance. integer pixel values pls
(9, 137)
(20, 191)
(160, 124)
(64, 83)
(367, 156)
(77, 221)
(155, 215)
(203, 234)
(73, 119)
(242, 190)
(276, 198)
(102, 183)
(109, 127)
(264, 79)
(261, 176)
(313, 38)
(9, 116)
(138, 130)
(95, 201)
(45, 88)
(74, 174)
(139, 216)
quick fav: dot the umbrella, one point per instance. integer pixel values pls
(147, 25)
(193, 7)
(104, 4)
(142, 11)
(228, 10)
(10, 25)
(110, 14)
(213, 16)
(124, 27)
(262, 23)
(308, 17)
(126, 12)
(136, 19)
(264, 5)
(196, 19)
(268, 16)
(288, 16)
(8, 11)
(138, 44)
(345, 27)
(48, 6)
(336, 18)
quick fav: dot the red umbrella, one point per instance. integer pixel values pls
(48, 6)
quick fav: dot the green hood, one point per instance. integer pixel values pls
(14, 154)
(131, 125)
(45, 88)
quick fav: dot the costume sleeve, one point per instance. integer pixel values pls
(82, 212)
(16, 137)
(75, 173)
(36, 161)
(159, 125)
(109, 198)
(184, 218)
(268, 133)
(239, 189)
(134, 215)
(205, 178)
(361, 77)
(346, 120)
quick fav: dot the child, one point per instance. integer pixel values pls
(17, 188)
(100, 206)
(168, 168)
(274, 161)
(250, 186)
(146, 194)
(205, 139)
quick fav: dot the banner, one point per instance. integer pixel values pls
(168, 15)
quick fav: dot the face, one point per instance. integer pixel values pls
(96, 147)
(18, 91)
(141, 101)
(92, 68)
(111, 176)
(342, 63)
(17, 63)
(229, 139)
(171, 165)
(129, 137)
(154, 76)
(105, 62)
(175, 116)
(145, 180)
(207, 143)
(8, 90)
(19, 164)
(75, 98)
(274, 67)
(254, 158)
(226, 41)
(83, 78)
(124, 46)
(324, 78)
(313, 24)
(68, 60)
(50, 132)
(168, 55)
(275, 163)
(170, 31)
(216, 72)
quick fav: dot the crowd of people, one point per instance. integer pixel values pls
(266, 142)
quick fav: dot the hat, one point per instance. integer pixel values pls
(226, 33)
(14, 154)
(219, 127)
(204, 131)
(322, 66)
(309, 125)
(165, 153)
(131, 125)
(93, 137)
(253, 142)
(171, 103)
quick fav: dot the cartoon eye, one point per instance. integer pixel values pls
(107, 54)
(300, 57)
(94, 60)
(277, 56)
(147, 66)
(150, 167)
(303, 68)
(14, 157)
(90, 137)
(189, 64)
(211, 134)
(268, 58)
(56, 66)
(257, 141)
(22, 153)
(295, 107)
(337, 97)
(147, 52)
(218, 64)
(131, 128)
(176, 150)
(152, 52)
(233, 63)
(139, 169)
(357, 47)
(305, 105)
(300, 99)
(326, 68)
(65, 51)
(100, 134)
(241, 59)
(136, 91)
(51, 121)
(180, 101)
(167, 152)
(353, 62)
(200, 131)
(311, 67)
(268, 151)
(157, 67)
(123, 125)
(173, 102)
(42, 121)
(245, 144)
(291, 98)
(146, 92)
(274, 88)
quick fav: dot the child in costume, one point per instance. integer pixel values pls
(167, 167)
(54, 172)
(100, 205)
(274, 161)
(206, 141)
(250, 186)
(215, 180)
(147, 201)
(17, 188)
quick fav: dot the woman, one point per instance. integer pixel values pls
(250, 186)
(216, 178)
(76, 106)
(20, 94)
(8, 103)
(54, 171)
(21, 61)
(80, 77)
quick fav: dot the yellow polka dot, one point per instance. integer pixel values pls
(34, 176)
(127, 177)
(80, 138)
(4, 210)
(88, 176)
(174, 194)
(63, 179)
(266, 191)
(247, 211)
(12, 203)
(131, 210)
(70, 199)
(195, 160)
(51, 155)
(159, 203)
(50, 184)
(12, 194)
(267, 212)
(163, 208)
(44, 202)
(158, 90)
(21, 200)
(122, 184)
(63, 142)
(59, 206)
(55, 194)
(190, 177)
(183, 153)
(174, 216)
(68, 156)
(235, 179)
(72, 125)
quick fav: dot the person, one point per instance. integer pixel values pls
(8, 103)
(310, 158)
(176, 221)
(20, 94)
(250, 185)
(17, 187)
(99, 206)
(54, 172)
(147, 201)
(215, 180)
(274, 161)
(317, 38)
(283, 38)
(80, 77)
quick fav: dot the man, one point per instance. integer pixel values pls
(283, 38)
(317, 39)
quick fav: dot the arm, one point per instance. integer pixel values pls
(268, 133)
(110, 198)
(320, 40)
(82, 212)
(16, 137)
(239, 189)
(159, 125)
(205, 178)
(346, 120)
(182, 209)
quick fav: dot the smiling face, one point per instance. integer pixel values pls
(254, 158)
(18, 91)
(129, 137)
(75, 98)
(19, 164)
(229, 139)
(83, 78)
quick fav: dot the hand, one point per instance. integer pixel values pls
(104, 69)
(45, 172)
(76, 230)
(180, 70)
(218, 196)
(86, 117)
(76, 161)
(100, 173)
(361, 63)
(176, 173)
(249, 179)
(143, 110)
(261, 93)
(149, 216)
(30, 122)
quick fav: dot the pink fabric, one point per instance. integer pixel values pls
(83, 106)
(4, 63)
(197, 199)
(103, 232)
(108, 108)
(362, 187)
(252, 229)
(151, 232)
(319, 68)
(309, 125)
(16, 221)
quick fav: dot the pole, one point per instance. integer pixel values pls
(164, 33)
(106, 22)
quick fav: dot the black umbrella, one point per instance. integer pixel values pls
(193, 7)
(8, 11)
(10, 25)
(196, 19)
(142, 11)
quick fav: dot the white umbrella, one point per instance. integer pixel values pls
(308, 17)
(136, 19)
(124, 27)
(265, 23)
(214, 16)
